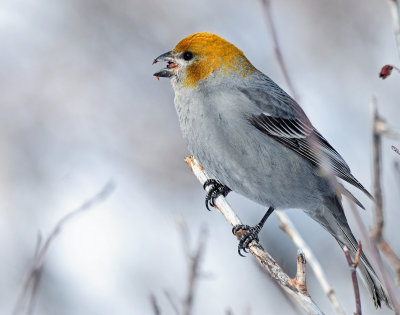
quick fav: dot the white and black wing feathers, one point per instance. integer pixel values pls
(304, 139)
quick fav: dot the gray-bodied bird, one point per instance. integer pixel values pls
(253, 138)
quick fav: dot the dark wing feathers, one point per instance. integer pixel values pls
(305, 140)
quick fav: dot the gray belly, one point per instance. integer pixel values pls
(251, 163)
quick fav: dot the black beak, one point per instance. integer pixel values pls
(167, 71)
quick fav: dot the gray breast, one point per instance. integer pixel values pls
(231, 150)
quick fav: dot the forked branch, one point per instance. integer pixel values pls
(296, 288)
(287, 226)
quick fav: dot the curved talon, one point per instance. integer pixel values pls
(250, 233)
(209, 198)
(239, 227)
(207, 204)
(216, 189)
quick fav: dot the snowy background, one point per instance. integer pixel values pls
(79, 107)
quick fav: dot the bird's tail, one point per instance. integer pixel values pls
(331, 216)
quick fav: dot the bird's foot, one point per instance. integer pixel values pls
(250, 233)
(216, 189)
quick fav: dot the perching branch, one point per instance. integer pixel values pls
(25, 301)
(353, 266)
(285, 221)
(287, 226)
(294, 287)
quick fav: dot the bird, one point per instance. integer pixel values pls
(252, 138)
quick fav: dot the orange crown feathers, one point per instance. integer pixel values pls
(212, 52)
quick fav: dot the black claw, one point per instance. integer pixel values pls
(216, 189)
(207, 204)
(209, 182)
(250, 233)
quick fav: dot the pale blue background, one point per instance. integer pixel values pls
(79, 106)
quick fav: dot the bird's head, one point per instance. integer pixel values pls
(198, 56)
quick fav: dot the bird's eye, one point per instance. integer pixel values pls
(187, 55)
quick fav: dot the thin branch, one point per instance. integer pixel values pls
(154, 304)
(172, 302)
(376, 258)
(395, 149)
(27, 296)
(392, 258)
(287, 226)
(278, 54)
(353, 266)
(378, 126)
(32, 297)
(194, 262)
(194, 272)
(300, 281)
(375, 238)
(395, 13)
(291, 286)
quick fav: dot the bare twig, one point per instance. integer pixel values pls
(278, 54)
(194, 261)
(375, 238)
(376, 232)
(378, 124)
(395, 149)
(269, 264)
(154, 304)
(300, 281)
(172, 302)
(376, 258)
(194, 272)
(392, 258)
(27, 296)
(353, 266)
(287, 226)
(395, 13)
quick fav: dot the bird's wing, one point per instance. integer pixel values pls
(301, 137)
(276, 114)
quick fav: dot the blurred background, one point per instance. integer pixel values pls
(80, 107)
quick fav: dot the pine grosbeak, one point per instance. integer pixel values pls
(253, 138)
